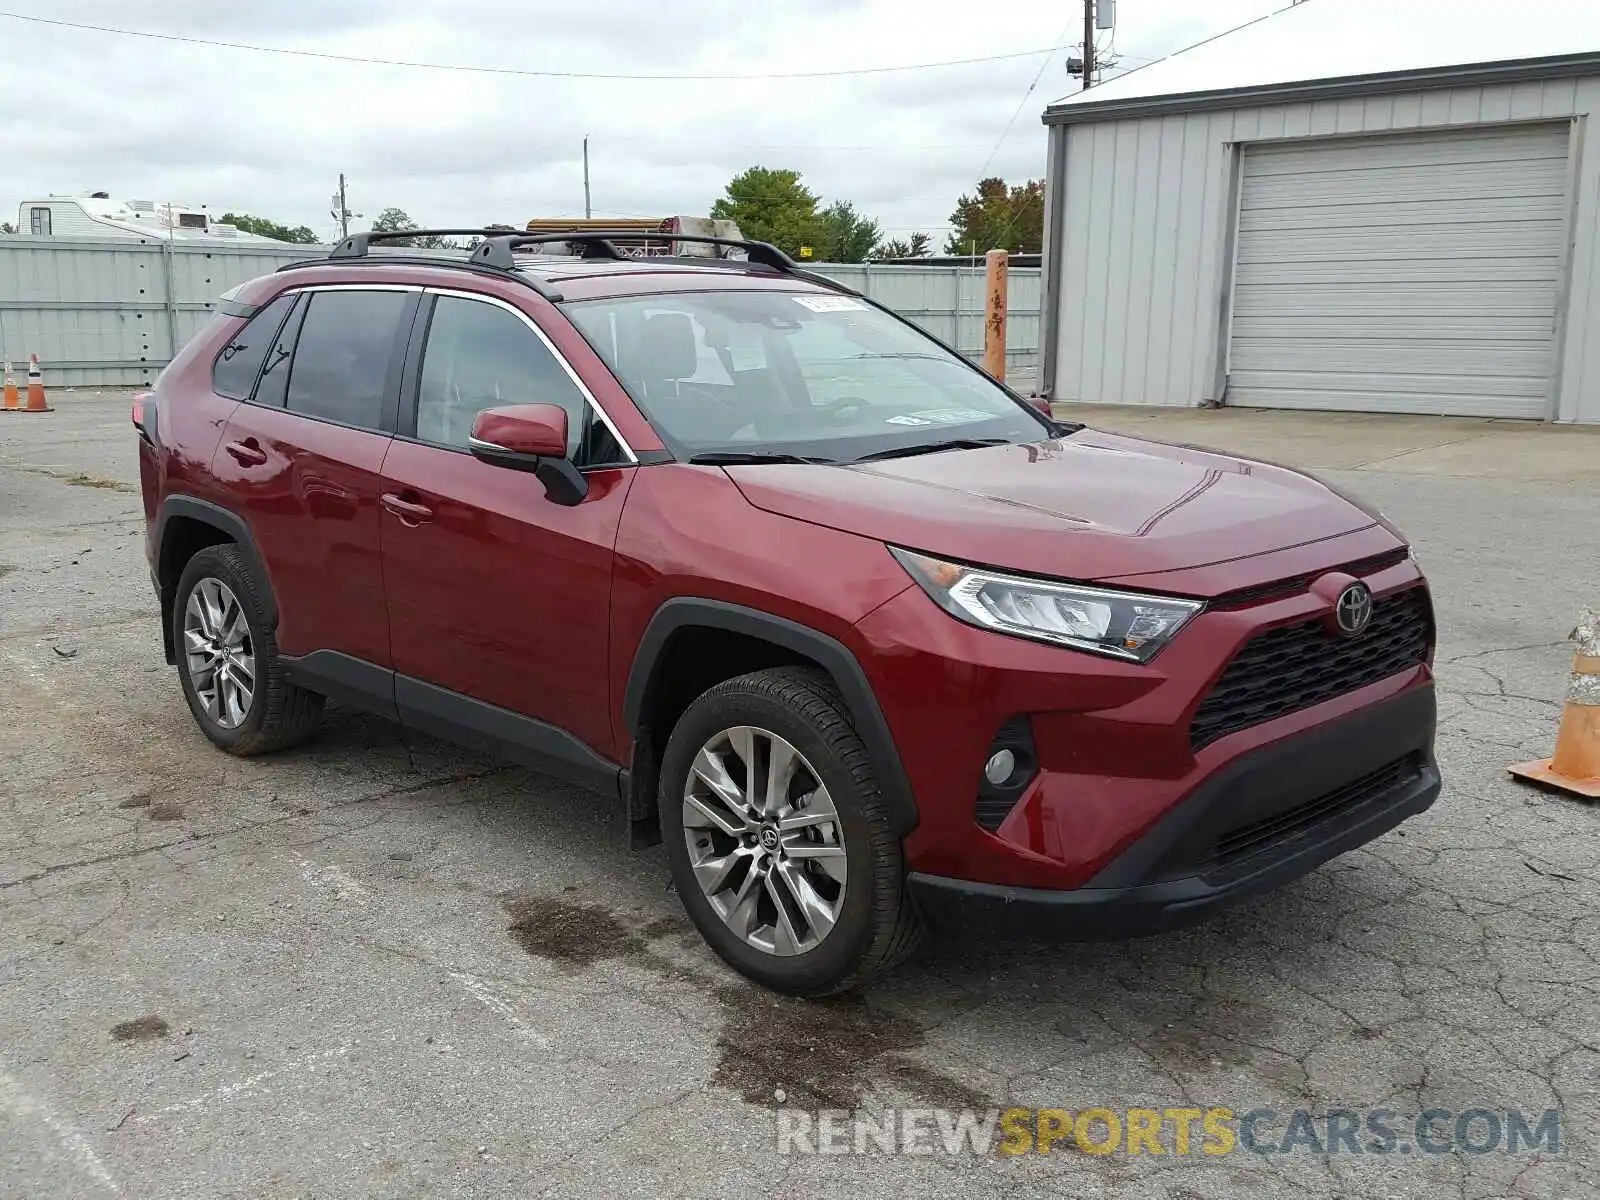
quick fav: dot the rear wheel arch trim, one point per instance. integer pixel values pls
(833, 656)
(224, 521)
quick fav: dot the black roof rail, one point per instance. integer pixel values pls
(495, 253)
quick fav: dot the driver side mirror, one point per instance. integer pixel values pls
(530, 437)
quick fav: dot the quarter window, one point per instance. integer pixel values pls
(480, 356)
(342, 359)
(235, 370)
(39, 222)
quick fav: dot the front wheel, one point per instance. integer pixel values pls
(777, 837)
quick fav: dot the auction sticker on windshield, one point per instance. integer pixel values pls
(823, 304)
(940, 416)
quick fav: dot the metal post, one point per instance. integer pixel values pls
(997, 265)
(170, 297)
(344, 210)
(587, 214)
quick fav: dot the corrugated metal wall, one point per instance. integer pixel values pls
(948, 303)
(106, 312)
(1146, 235)
(109, 313)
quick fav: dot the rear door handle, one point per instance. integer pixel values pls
(247, 453)
(409, 512)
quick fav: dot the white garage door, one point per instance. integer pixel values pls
(1412, 273)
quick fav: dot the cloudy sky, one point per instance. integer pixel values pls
(268, 133)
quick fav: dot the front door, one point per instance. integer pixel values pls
(499, 599)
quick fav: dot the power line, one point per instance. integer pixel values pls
(515, 71)
(1021, 104)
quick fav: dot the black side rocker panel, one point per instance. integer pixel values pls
(470, 722)
(424, 706)
(832, 655)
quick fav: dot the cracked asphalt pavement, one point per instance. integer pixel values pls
(377, 966)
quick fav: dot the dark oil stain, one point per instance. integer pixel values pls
(825, 1053)
(6, 569)
(140, 1029)
(166, 810)
(142, 800)
(569, 933)
(820, 1053)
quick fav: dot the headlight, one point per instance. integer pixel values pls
(1121, 624)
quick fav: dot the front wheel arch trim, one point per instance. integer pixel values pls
(828, 653)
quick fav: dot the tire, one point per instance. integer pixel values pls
(874, 924)
(278, 714)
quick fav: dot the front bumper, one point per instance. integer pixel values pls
(1270, 816)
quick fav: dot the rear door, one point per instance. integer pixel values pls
(301, 460)
(499, 598)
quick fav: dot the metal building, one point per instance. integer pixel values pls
(1418, 238)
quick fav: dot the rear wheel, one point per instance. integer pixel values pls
(777, 837)
(233, 678)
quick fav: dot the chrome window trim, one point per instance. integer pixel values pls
(561, 359)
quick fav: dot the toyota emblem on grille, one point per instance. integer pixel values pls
(1353, 610)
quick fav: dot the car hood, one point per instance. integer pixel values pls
(1089, 506)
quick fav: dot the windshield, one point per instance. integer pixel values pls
(804, 375)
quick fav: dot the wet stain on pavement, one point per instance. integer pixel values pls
(825, 1053)
(140, 1029)
(142, 800)
(569, 933)
(818, 1053)
(166, 810)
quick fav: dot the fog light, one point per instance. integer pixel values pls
(999, 767)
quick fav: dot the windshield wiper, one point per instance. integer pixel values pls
(738, 458)
(934, 448)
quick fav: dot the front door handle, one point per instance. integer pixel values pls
(247, 453)
(409, 511)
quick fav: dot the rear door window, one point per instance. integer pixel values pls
(234, 372)
(342, 360)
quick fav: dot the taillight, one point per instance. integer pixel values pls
(144, 415)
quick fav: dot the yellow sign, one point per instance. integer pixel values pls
(805, 251)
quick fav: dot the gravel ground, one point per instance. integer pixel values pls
(377, 966)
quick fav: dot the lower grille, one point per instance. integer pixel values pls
(1247, 840)
(1284, 670)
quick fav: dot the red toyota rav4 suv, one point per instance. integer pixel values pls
(871, 642)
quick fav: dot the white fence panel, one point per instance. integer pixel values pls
(102, 312)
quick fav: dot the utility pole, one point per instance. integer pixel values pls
(1088, 44)
(586, 211)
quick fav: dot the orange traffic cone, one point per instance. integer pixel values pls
(1576, 765)
(36, 400)
(12, 401)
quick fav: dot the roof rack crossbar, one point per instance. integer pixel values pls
(357, 244)
(598, 243)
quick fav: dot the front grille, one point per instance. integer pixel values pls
(1246, 840)
(1284, 670)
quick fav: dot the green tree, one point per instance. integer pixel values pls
(918, 245)
(7, 227)
(261, 227)
(999, 217)
(847, 236)
(773, 206)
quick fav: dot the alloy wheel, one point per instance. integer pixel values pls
(218, 652)
(765, 841)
